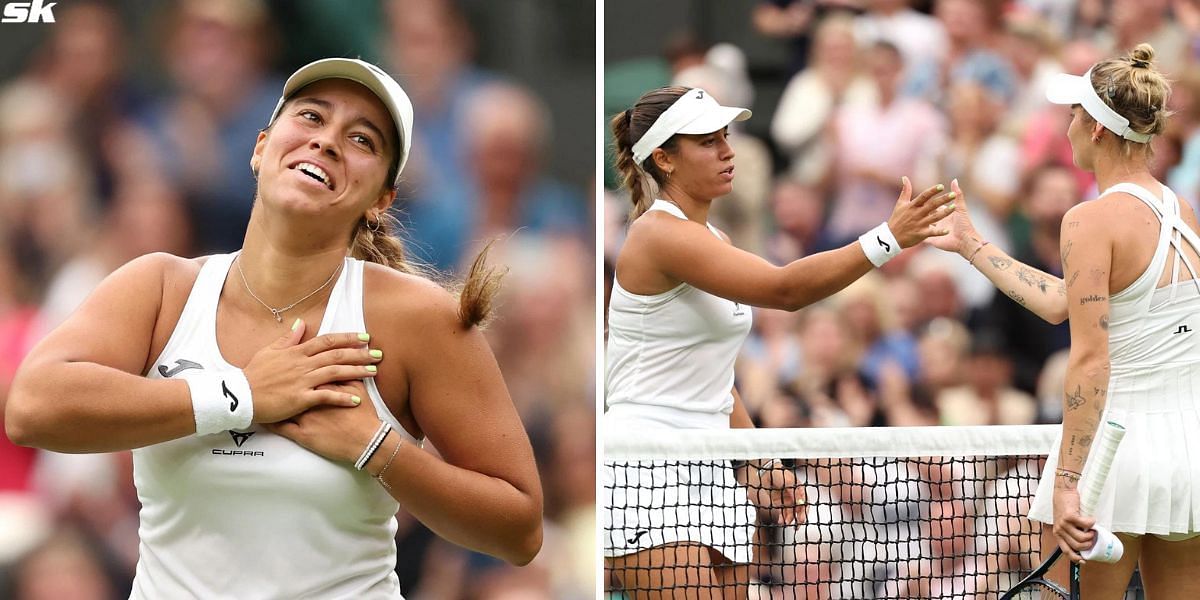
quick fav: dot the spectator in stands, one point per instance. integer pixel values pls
(431, 50)
(217, 55)
(973, 31)
(799, 213)
(874, 145)
(832, 79)
(868, 311)
(918, 36)
(507, 134)
(988, 397)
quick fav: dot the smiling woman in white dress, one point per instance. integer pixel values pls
(274, 397)
(678, 315)
(1132, 293)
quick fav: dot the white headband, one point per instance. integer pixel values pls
(1071, 89)
(695, 112)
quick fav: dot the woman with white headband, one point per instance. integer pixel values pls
(679, 312)
(275, 397)
(1132, 294)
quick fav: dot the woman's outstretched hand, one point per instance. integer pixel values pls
(960, 231)
(915, 219)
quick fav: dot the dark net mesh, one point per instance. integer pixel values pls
(932, 527)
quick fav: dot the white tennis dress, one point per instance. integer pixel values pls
(249, 514)
(1153, 391)
(670, 365)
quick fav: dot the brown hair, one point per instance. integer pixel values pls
(1136, 90)
(628, 127)
(377, 242)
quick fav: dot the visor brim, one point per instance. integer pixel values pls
(1067, 89)
(715, 120)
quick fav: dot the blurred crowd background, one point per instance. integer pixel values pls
(127, 127)
(848, 96)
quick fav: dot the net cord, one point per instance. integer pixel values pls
(631, 443)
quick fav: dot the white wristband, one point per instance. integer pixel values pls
(879, 244)
(221, 401)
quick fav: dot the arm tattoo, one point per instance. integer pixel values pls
(1075, 399)
(1000, 262)
(1104, 322)
(1091, 298)
(1067, 252)
(1086, 441)
(1074, 276)
(1019, 299)
(1073, 224)
(1062, 288)
(1026, 276)
(1097, 275)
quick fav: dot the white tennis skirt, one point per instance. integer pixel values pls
(649, 504)
(1154, 484)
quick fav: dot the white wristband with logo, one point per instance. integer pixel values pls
(879, 244)
(221, 401)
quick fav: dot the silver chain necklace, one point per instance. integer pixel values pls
(278, 312)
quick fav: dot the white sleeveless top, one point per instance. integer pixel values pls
(249, 514)
(1153, 391)
(670, 356)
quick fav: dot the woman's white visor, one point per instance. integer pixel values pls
(695, 112)
(1073, 89)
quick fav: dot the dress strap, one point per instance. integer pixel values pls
(675, 211)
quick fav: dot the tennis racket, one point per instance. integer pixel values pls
(1035, 585)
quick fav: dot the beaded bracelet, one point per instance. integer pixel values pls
(373, 446)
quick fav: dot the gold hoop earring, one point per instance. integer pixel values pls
(374, 225)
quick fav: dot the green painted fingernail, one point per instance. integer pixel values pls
(372, 368)
(364, 337)
(950, 206)
(941, 187)
(356, 400)
(376, 353)
(295, 324)
(953, 195)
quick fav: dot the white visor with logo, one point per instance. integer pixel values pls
(1073, 89)
(370, 76)
(695, 112)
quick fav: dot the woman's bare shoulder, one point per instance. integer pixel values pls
(405, 301)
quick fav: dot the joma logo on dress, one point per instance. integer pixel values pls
(28, 12)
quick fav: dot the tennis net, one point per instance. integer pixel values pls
(920, 512)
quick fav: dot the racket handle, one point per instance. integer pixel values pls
(1110, 438)
(1107, 548)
